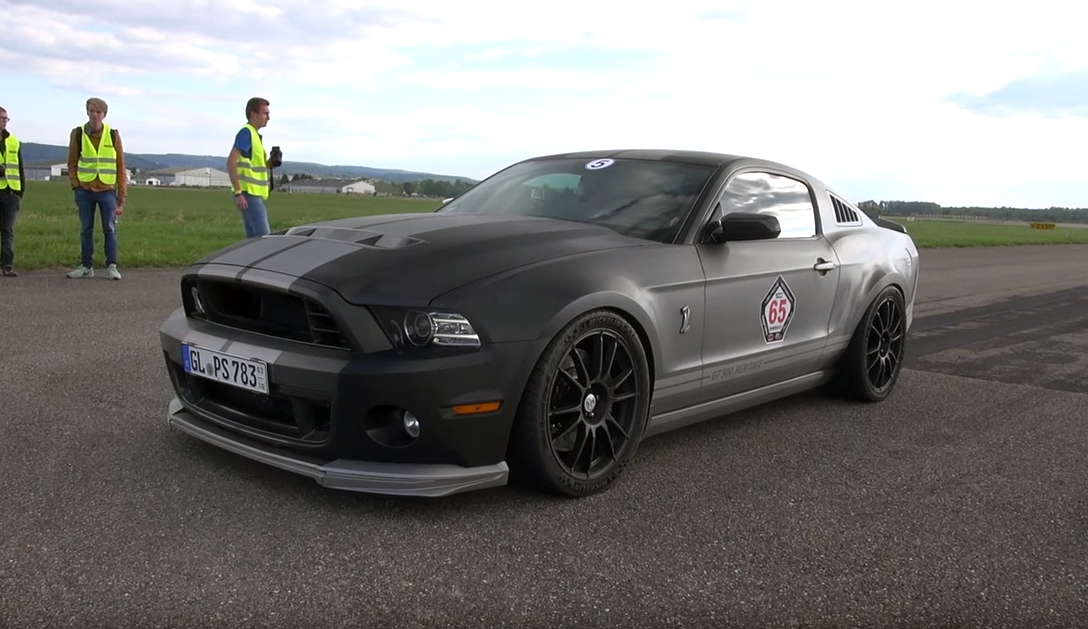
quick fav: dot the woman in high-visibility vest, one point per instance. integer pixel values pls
(96, 168)
(12, 184)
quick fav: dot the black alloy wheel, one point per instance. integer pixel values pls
(592, 405)
(873, 361)
(885, 342)
(585, 407)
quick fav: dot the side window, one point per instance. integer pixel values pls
(785, 198)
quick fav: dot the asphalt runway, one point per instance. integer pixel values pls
(959, 502)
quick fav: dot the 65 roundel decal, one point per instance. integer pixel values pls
(777, 311)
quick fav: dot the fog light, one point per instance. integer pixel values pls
(411, 425)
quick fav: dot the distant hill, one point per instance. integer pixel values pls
(38, 153)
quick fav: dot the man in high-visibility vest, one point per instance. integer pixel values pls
(248, 166)
(96, 168)
(12, 185)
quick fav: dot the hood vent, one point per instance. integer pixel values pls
(357, 236)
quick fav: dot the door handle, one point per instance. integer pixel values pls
(824, 266)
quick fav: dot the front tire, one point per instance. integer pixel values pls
(872, 363)
(585, 407)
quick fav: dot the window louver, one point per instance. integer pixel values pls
(844, 214)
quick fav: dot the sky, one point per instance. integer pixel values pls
(961, 103)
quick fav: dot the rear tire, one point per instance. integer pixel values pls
(872, 363)
(585, 407)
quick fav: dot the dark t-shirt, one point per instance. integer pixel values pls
(244, 143)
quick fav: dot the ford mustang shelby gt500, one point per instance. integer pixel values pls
(538, 326)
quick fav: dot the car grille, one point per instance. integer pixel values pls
(297, 418)
(265, 311)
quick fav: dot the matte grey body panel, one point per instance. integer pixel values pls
(736, 354)
(869, 257)
(650, 284)
(870, 261)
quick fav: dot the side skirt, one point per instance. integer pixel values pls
(716, 408)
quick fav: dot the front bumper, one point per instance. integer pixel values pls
(401, 479)
(318, 416)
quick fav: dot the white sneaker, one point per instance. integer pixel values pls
(112, 272)
(82, 271)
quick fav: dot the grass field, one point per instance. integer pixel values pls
(166, 227)
(946, 233)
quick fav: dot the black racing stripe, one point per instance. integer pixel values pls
(257, 261)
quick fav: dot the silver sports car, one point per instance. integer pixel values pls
(539, 326)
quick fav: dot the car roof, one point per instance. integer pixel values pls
(702, 158)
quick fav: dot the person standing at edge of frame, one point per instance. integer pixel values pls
(12, 184)
(96, 167)
(248, 166)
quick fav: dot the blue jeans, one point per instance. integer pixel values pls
(255, 217)
(106, 201)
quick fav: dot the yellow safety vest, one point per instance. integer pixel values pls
(252, 172)
(11, 165)
(100, 162)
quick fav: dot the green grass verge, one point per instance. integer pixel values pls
(170, 227)
(931, 234)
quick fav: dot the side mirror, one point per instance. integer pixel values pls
(714, 232)
(743, 226)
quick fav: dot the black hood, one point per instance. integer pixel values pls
(409, 259)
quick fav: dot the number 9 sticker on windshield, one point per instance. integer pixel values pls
(777, 311)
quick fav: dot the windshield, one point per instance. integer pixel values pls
(639, 198)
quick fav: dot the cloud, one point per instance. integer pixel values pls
(267, 22)
(871, 96)
(72, 49)
(67, 40)
(1048, 95)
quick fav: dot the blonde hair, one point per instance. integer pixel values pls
(98, 104)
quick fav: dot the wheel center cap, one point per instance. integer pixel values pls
(590, 403)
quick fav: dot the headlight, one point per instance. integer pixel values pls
(408, 327)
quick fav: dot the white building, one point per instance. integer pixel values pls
(327, 186)
(359, 187)
(202, 178)
(53, 172)
(44, 171)
(152, 181)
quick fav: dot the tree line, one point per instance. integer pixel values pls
(425, 187)
(432, 188)
(924, 208)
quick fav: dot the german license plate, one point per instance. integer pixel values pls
(226, 368)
